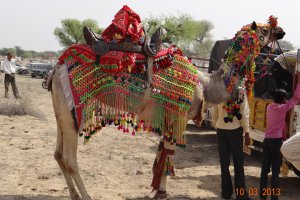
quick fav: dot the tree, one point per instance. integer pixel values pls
(26, 54)
(4, 51)
(192, 36)
(71, 31)
(285, 45)
(19, 50)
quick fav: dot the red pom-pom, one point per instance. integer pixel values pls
(273, 21)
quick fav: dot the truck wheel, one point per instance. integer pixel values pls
(25, 72)
(44, 85)
(296, 171)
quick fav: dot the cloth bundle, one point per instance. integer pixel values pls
(291, 150)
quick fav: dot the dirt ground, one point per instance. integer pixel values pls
(113, 165)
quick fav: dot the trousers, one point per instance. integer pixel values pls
(10, 79)
(230, 142)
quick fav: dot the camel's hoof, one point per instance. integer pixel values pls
(161, 195)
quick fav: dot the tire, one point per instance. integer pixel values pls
(44, 85)
(33, 76)
(296, 171)
(25, 72)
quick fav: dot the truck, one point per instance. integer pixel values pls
(258, 109)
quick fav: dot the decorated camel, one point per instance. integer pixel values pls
(128, 79)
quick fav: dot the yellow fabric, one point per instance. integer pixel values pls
(218, 114)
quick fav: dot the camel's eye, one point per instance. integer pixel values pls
(264, 31)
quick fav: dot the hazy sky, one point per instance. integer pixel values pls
(30, 23)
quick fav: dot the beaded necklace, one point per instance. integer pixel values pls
(239, 69)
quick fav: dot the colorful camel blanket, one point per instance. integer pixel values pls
(114, 92)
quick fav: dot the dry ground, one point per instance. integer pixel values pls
(113, 165)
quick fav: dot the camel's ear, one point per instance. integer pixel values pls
(254, 26)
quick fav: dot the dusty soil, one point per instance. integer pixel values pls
(113, 165)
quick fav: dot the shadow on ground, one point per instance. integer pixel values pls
(179, 197)
(33, 197)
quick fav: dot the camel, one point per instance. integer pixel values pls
(212, 89)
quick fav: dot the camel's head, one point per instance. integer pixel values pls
(266, 33)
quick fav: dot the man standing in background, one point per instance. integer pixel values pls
(9, 68)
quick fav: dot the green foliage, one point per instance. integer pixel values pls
(192, 36)
(18, 51)
(70, 31)
(27, 54)
(285, 45)
(4, 51)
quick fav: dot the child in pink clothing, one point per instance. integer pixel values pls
(275, 133)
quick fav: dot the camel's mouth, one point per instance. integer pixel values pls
(279, 33)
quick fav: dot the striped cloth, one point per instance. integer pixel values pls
(287, 59)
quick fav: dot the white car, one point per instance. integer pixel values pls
(1, 67)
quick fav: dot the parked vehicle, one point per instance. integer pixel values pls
(44, 83)
(258, 108)
(1, 67)
(23, 70)
(39, 69)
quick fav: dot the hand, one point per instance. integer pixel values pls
(247, 139)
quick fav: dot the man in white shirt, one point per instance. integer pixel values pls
(230, 141)
(9, 67)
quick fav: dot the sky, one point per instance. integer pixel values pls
(30, 23)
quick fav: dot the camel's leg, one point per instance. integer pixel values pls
(165, 149)
(68, 141)
(58, 157)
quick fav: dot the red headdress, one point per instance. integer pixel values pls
(125, 24)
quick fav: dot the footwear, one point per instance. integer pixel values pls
(18, 97)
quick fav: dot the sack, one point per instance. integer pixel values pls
(291, 150)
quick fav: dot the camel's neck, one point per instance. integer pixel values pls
(219, 74)
(214, 89)
(237, 68)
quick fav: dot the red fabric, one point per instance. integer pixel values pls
(126, 23)
(88, 52)
(81, 49)
(113, 58)
(158, 168)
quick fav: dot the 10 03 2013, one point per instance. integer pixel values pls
(253, 191)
